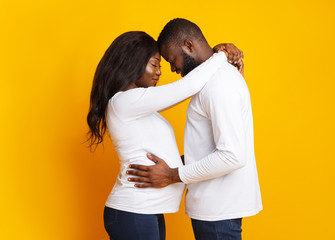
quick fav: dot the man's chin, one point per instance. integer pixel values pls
(183, 74)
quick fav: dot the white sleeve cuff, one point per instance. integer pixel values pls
(181, 175)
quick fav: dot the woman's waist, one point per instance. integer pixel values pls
(124, 188)
(140, 157)
(127, 197)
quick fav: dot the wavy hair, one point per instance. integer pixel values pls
(123, 63)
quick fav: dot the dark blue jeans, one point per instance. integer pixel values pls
(121, 225)
(217, 230)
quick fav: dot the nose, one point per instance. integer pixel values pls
(158, 72)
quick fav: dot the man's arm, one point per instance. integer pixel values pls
(156, 176)
(223, 106)
(222, 161)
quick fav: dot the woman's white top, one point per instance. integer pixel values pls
(136, 128)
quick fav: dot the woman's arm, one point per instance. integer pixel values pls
(138, 102)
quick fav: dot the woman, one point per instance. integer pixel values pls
(124, 100)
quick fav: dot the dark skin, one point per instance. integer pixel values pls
(156, 176)
(151, 75)
(234, 57)
(161, 175)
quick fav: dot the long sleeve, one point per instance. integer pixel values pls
(223, 106)
(138, 102)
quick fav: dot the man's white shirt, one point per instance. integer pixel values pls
(219, 154)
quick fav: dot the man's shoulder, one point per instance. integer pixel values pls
(225, 77)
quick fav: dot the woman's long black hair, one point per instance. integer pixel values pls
(123, 64)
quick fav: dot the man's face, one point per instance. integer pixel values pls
(179, 60)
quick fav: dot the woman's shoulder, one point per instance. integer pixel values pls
(123, 99)
(127, 95)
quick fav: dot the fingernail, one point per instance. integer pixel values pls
(127, 172)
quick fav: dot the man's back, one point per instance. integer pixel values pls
(219, 138)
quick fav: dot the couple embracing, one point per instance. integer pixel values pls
(218, 165)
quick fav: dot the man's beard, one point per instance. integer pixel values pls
(188, 63)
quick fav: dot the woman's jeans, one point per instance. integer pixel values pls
(121, 225)
(217, 230)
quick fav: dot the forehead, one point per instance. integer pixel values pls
(169, 52)
(157, 56)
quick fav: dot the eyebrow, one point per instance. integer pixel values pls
(157, 58)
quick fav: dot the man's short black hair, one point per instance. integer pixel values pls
(177, 30)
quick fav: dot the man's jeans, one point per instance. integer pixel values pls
(217, 230)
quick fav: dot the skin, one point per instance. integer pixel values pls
(173, 54)
(161, 175)
(234, 55)
(151, 75)
(152, 72)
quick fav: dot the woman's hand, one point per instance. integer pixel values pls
(234, 55)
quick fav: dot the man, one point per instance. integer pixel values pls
(220, 170)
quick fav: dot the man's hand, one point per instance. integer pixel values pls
(234, 55)
(156, 176)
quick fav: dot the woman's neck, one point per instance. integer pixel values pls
(131, 86)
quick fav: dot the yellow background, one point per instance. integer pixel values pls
(53, 188)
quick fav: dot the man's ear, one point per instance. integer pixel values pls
(188, 46)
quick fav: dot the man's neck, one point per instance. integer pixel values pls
(205, 52)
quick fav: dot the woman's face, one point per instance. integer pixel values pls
(152, 72)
